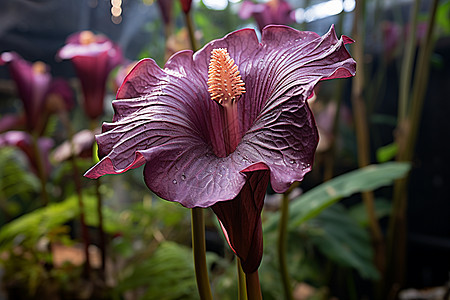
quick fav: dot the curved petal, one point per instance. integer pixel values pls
(241, 220)
(172, 124)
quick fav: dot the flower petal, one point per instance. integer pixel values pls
(241, 220)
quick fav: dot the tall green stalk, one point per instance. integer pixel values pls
(253, 286)
(99, 210)
(362, 130)
(242, 285)
(282, 242)
(76, 178)
(409, 128)
(407, 65)
(199, 250)
(40, 169)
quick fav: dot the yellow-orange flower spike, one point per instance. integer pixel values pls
(87, 37)
(224, 79)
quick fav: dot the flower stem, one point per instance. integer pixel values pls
(362, 132)
(407, 142)
(191, 31)
(282, 241)
(84, 228)
(101, 231)
(242, 287)
(253, 286)
(78, 188)
(40, 169)
(199, 251)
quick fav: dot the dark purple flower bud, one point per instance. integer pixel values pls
(186, 5)
(165, 7)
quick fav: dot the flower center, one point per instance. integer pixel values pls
(39, 67)
(87, 37)
(224, 79)
(225, 85)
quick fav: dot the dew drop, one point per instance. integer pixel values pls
(183, 177)
(292, 161)
(174, 181)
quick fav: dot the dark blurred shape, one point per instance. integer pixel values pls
(277, 12)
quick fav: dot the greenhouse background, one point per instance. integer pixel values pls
(371, 220)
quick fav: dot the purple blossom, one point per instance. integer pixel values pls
(34, 85)
(165, 7)
(195, 154)
(275, 12)
(93, 56)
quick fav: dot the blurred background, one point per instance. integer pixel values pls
(391, 115)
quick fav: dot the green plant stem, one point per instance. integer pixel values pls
(407, 142)
(84, 228)
(40, 169)
(101, 231)
(199, 251)
(362, 131)
(407, 65)
(78, 188)
(242, 286)
(191, 31)
(253, 286)
(282, 242)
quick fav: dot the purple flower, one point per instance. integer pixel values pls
(165, 7)
(23, 141)
(34, 85)
(93, 56)
(276, 12)
(222, 153)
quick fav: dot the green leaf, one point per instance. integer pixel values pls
(314, 201)
(167, 274)
(359, 213)
(387, 153)
(443, 16)
(37, 223)
(16, 182)
(343, 241)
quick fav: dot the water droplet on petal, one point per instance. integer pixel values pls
(292, 161)
(174, 181)
(183, 177)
